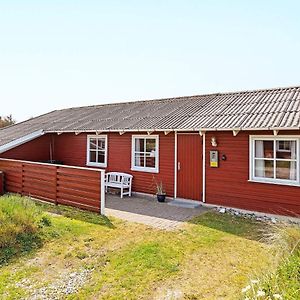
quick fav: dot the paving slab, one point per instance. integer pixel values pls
(150, 212)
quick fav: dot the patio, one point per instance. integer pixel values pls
(149, 212)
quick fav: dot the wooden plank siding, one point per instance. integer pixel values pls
(71, 149)
(57, 184)
(35, 150)
(228, 185)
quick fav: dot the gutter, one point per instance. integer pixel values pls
(173, 130)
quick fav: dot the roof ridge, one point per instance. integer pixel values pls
(182, 97)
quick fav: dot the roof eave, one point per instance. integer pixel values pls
(173, 130)
(20, 141)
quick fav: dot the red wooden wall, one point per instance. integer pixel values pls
(71, 149)
(228, 185)
(35, 150)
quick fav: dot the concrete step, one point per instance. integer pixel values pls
(184, 203)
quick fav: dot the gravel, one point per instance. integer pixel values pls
(251, 215)
(59, 289)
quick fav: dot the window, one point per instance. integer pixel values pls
(97, 150)
(144, 155)
(284, 146)
(275, 160)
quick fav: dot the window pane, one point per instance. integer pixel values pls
(150, 145)
(139, 160)
(150, 161)
(264, 149)
(286, 149)
(286, 170)
(101, 144)
(264, 168)
(139, 145)
(93, 143)
(92, 156)
(101, 157)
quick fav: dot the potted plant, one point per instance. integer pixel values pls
(160, 192)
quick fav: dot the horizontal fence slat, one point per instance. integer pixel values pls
(79, 187)
(46, 173)
(37, 187)
(41, 196)
(40, 181)
(13, 188)
(79, 205)
(86, 194)
(65, 178)
(78, 172)
(38, 193)
(8, 164)
(13, 179)
(42, 178)
(77, 199)
(45, 168)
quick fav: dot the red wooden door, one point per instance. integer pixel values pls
(189, 166)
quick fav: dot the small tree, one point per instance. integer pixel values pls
(6, 121)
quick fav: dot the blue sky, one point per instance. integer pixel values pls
(56, 54)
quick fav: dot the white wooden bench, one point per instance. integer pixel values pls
(119, 180)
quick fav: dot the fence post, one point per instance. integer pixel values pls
(102, 193)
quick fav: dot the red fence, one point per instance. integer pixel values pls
(74, 186)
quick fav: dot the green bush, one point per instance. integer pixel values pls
(21, 223)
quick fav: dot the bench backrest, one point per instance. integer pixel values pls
(118, 177)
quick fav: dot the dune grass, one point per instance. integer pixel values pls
(211, 257)
(284, 281)
(21, 226)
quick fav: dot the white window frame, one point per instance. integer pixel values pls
(145, 169)
(94, 164)
(252, 139)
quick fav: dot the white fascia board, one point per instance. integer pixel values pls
(24, 139)
(178, 130)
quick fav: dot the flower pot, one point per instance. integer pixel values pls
(161, 198)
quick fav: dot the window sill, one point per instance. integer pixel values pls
(89, 164)
(147, 170)
(296, 184)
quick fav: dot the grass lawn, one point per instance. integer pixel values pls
(85, 256)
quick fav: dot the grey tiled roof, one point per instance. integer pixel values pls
(277, 108)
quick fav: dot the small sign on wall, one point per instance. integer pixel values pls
(214, 158)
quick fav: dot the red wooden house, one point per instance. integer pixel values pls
(234, 149)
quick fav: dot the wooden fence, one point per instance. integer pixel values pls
(68, 185)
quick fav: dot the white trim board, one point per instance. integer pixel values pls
(145, 169)
(252, 178)
(175, 165)
(26, 138)
(95, 164)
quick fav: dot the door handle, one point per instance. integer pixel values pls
(178, 166)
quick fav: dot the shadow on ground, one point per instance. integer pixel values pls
(78, 214)
(236, 225)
